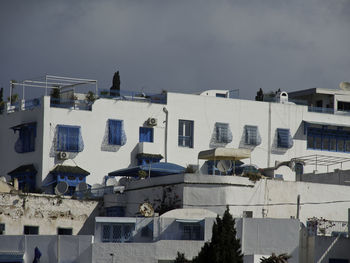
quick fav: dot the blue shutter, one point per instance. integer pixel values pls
(69, 139)
(115, 132)
(146, 134)
(252, 136)
(284, 139)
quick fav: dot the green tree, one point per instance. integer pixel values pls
(224, 247)
(181, 258)
(282, 258)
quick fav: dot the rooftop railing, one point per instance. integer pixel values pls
(70, 104)
(133, 96)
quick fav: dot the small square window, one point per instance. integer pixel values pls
(64, 231)
(31, 230)
(146, 134)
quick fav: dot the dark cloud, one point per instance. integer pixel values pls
(182, 46)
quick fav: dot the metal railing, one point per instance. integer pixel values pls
(133, 96)
(324, 227)
(70, 104)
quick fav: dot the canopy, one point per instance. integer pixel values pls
(224, 154)
(69, 169)
(154, 169)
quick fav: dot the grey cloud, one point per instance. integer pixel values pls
(182, 46)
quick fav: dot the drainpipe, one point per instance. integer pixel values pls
(269, 137)
(166, 135)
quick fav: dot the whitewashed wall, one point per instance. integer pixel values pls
(205, 111)
(266, 198)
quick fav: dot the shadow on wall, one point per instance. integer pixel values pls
(89, 226)
(274, 147)
(299, 134)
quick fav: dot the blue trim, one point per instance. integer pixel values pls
(284, 138)
(69, 138)
(115, 129)
(146, 134)
(324, 139)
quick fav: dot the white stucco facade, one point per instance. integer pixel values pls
(99, 158)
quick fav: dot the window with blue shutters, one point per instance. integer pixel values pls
(185, 133)
(116, 134)
(146, 134)
(324, 139)
(27, 135)
(284, 138)
(69, 139)
(252, 136)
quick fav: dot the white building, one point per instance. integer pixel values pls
(41, 139)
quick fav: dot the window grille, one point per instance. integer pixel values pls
(69, 139)
(117, 233)
(146, 134)
(222, 133)
(185, 133)
(106, 233)
(252, 136)
(116, 133)
(284, 138)
(192, 231)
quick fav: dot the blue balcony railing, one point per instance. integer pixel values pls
(31, 104)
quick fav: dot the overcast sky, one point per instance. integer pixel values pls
(179, 45)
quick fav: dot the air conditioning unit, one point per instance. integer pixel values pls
(152, 121)
(62, 155)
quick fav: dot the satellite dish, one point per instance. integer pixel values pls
(61, 188)
(344, 85)
(81, 187)
(224, 165)
(111, 181)
(146, 209)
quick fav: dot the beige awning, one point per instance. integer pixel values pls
(224, 154)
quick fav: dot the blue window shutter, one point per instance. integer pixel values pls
(115, 132)
(26, 140)
(69, 139)
(252, 136)
(284, 138)
(146, 134)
